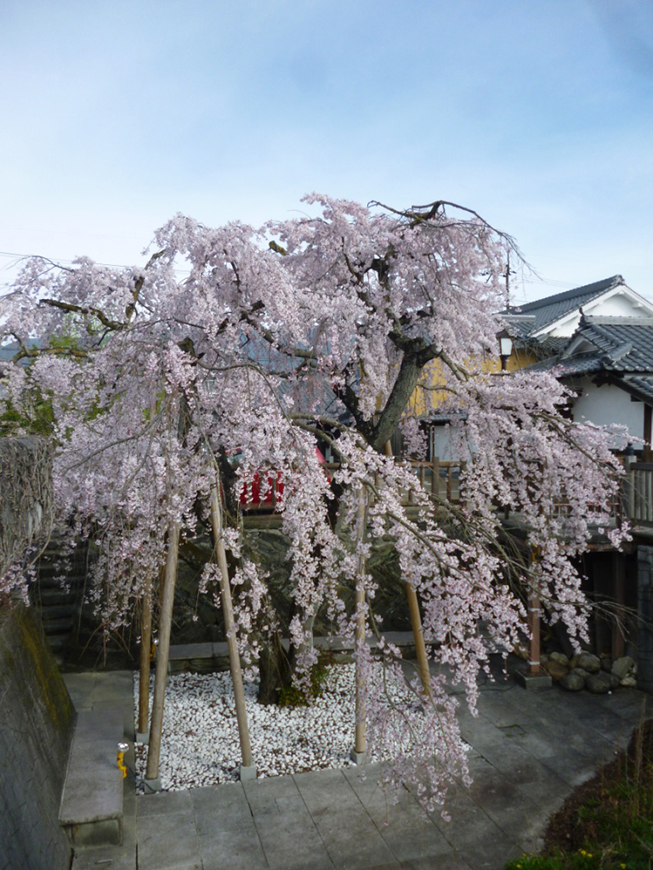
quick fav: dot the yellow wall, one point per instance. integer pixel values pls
(424, 401)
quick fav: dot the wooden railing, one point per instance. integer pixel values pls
(442, 480)
(438, 479)
(638, 494)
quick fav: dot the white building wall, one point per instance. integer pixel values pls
(617, 305)
(609, 404)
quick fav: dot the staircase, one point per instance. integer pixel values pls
(58, 593)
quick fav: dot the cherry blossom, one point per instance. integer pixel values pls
(336, 327)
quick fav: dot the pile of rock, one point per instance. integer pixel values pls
(587, 671)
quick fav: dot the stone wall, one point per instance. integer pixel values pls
(26, 496)
(36, 729)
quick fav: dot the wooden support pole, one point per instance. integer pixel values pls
(146, 644)
(165, 625)
(619, 578)
(534, 611)
(534, 628)
(418, 636)
(360, 741)
(227, 609)
(416, 621)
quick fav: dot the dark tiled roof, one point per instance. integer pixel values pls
(621, 349)
(640, 386)
(547, 311)
(625, 343)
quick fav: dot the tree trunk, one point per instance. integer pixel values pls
(275, 671)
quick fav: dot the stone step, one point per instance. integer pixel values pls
(53, 579)
(53, 597)
(92, 801)
(58, 610)
(58, 642)
(57, 625)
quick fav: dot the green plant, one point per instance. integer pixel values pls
(612, 826)
(295, 696)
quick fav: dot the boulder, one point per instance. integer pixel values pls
(555, 670)
(622, 667)
(589, 662)
(573, 681)
(559, 657)
(606, 663)
(599, 683)
(630, 682)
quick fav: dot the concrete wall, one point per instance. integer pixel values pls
(36, 728)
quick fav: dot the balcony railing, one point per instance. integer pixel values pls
(438, 479)
(442, 480)
(638, 494)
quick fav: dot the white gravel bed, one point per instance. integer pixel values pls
(200, 744)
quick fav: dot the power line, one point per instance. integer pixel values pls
(55, 260)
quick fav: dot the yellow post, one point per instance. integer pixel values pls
(122, 748)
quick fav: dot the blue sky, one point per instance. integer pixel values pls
(536, 113)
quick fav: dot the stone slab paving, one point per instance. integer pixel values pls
(527, 752)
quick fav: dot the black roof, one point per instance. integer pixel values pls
(620, 348)
(625, 344)
(552, 308)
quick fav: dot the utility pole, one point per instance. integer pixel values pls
(507, 277)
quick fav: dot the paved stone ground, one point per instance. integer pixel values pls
(529, 749)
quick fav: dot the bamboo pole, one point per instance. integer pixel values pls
(416, 624)
(144, 677)
(227, 609)
(360, 739)
(165, 624)
(418, 636)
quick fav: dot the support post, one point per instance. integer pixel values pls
(247, 771)
(360, 738)
(165, 625)
(534, 677)
(418, 636)
(144, 671)
(619, 578)
(416, 619)
(534, 648)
